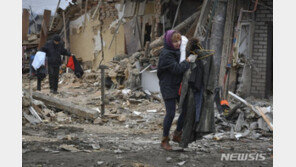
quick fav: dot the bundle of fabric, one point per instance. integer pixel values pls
(38, 65)
(197, 100)
(74, 65)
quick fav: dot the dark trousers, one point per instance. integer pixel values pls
(198, 103)
(39, 83)
(53, 73)
(170, 106)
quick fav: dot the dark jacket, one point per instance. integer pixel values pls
(170, 71)
(191, 129)
(54, 52)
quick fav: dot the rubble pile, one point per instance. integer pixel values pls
(242, 122)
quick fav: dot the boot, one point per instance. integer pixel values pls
(177, 136)
(165, 143)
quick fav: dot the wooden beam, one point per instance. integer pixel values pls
(265, 117)
(117, 28)
(25, 21)
(185, 23)
(176, 15)
(66, 106)
(98, 6)
(54, 15)
(64, 29)
(65, 37)
(227, 40)
(256, 109)
(45, 24)
(85, 14)
(202, 17)
(139, 31)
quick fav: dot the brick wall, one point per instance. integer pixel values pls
(263, 15)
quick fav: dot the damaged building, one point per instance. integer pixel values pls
(127, 27)
(117, 43)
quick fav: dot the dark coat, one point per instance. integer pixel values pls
(192, 130)
(170, 72)
(54, 52)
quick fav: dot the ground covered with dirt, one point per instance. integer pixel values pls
(130, 132)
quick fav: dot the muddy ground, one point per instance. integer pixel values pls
(133, 140)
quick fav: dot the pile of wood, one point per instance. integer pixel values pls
(36, 108)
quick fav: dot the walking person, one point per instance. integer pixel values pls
(54, 49)
(170, 73)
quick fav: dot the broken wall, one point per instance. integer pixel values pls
(85, 41)
(263, 17)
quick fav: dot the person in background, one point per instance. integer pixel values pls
(31, 58)
(54, 49)
(170, 73)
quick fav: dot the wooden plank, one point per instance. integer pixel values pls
(185, 23)
(67, 106)
(144, 20)
(129, 9)
(176, 15)
(153, 32)
(139, 31)
(25, 26)
(191, 30)
(44, 28)
(85, 12)
(65, 38)
(34, 113)
(256, 109)
(202, 18)
(116, 31)
(227, 39)
(54, 16)
(141, 9)
(98, 6)
(31, 118)
(265, 117)
(64, 29)
(132, 38)
(45, 24)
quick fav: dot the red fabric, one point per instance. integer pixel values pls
(70, 63)
(179, 92)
